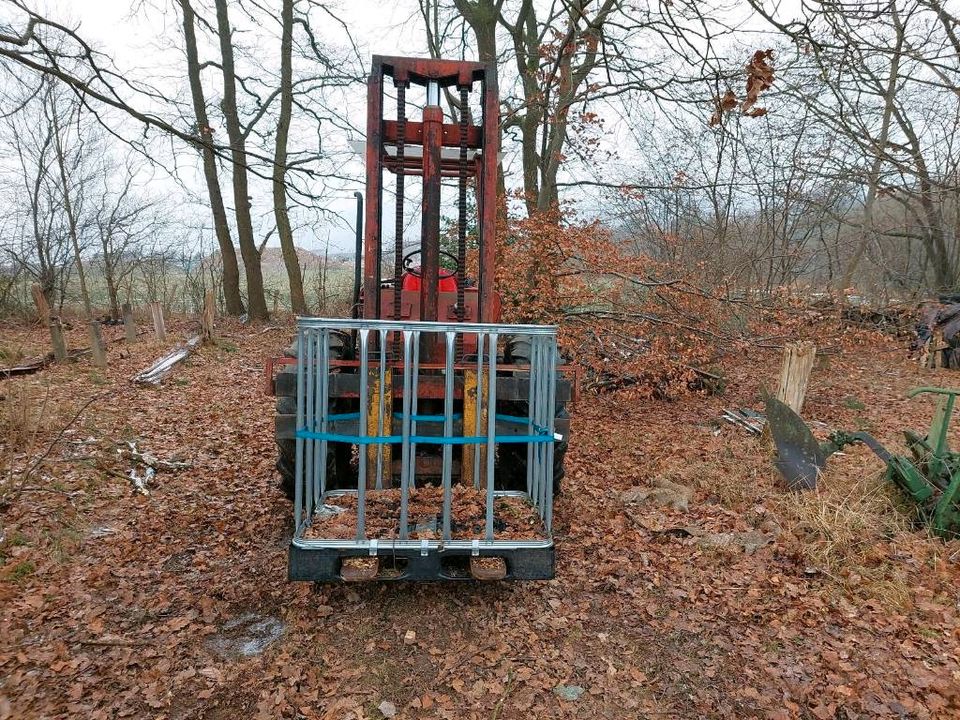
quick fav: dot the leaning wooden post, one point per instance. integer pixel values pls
(56, 338)
(53, 322)
(96, 345)
(129, 327)
(209, 313)
(795, 373)
(156, 310)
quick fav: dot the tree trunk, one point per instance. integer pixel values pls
(889, 99)
(113, 295)
(290, 260)
(482, 18)
(798, 358)
(228, 255)
(68, 207)
(256, 300)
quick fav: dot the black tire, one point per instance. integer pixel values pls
(338, 467)
(511, 465)
(338, 454)
(511, 470)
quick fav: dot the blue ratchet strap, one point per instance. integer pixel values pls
(543, 434)
(420, 439)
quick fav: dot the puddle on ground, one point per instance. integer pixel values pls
(245, 636)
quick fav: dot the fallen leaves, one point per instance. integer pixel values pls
(644, 620)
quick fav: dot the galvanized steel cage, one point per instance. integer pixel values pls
(372, 428)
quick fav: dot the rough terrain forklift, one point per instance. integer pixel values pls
(421, 438)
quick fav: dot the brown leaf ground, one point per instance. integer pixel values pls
(110, 599)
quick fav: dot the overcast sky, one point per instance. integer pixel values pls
(142, 44)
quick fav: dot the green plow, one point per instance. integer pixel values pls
(929, 475)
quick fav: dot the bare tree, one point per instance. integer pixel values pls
(52, 110)
(231, 271)
(256, 301)
(281, 213)
(37, 239)
(875, 74)
(124, 221)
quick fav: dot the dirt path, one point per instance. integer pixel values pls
(176, 605)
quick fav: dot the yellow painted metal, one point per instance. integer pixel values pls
(373, 415)
(470, 398)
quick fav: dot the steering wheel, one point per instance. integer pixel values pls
(444, 273)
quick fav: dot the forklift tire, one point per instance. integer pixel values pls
(511, 467)
(338, 455)
(338, 468)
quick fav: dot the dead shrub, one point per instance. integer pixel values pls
(23, 415)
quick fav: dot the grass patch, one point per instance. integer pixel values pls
(21, 571)
(851, 403)
(63, 541)
(225, 345)
(10, 355)
(844, 528)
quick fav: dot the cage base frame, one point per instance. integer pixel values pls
(323, 564)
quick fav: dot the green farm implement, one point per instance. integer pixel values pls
(928, 473)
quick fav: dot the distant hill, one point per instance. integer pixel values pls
(271, 259)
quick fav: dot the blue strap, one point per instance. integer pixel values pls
(420, 439)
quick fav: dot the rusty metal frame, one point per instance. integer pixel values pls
(433, 134)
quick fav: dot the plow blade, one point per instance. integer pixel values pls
(800, 459)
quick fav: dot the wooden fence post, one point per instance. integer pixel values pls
(938, 346)
(209, 313)
(96, 345)
(56, 338)
(156, 309)
(795, 373)
(129, 327)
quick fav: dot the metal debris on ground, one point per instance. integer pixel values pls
(154, 374)
(751, 421)
(755, 423)
(800, 459)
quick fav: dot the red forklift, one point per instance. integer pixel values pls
(421, 438)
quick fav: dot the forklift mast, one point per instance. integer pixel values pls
(431, 149)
